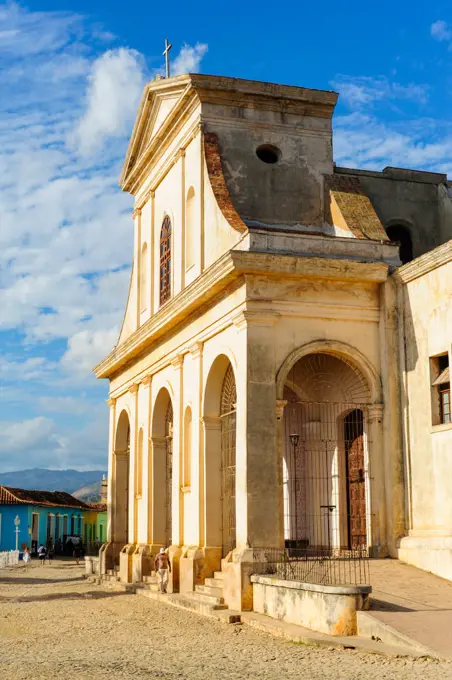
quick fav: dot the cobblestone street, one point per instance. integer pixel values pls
(53, 624)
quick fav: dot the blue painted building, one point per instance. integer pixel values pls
(42, 514)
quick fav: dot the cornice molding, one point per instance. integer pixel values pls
(425, 263)
(178, 361)
(146, 381)
(111, 401)
(196, 349)
(266, 318)
(231, 266)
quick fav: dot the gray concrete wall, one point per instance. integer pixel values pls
(419, 201)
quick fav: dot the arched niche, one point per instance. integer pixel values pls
(121, 461)
(190, 228)
(219, 420)
(161, 470)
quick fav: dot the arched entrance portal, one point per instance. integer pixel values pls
(219, 423)
(121, 479)
(325, 477)
(228, 446)
(162, 469)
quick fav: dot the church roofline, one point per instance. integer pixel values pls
(220, 90)
(424, 264)
(399, 174)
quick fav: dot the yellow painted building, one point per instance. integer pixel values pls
(260, 349)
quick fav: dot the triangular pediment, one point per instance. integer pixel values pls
(159, 100)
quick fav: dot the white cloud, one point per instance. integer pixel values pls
(115, 84)
(69, 97)
(189, 59)
(441, 31)
(362, 91)
(87, 348)
(37, 432)
(363, 141)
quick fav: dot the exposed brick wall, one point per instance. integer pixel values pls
(218, 183)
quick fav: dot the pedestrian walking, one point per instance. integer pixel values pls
(163, 567)
(42, 554)
(26, 556)
(77, 552)
(50, 552)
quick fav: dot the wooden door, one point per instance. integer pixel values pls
(356, 484)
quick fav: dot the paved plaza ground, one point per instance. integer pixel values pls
(54, 624)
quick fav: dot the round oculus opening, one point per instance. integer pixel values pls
(268, 153)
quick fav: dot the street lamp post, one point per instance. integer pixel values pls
(17, 524)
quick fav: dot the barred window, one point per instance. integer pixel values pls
(165, 261)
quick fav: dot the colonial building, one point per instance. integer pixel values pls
(256, 392)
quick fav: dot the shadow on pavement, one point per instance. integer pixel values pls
(91, 595)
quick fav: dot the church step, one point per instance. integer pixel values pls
(220, 612)
(206, 599)
(207, 589)
(219, 575)
(146, 585)
(214, 582)
(149, 579)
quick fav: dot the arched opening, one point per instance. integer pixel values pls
(220, 399)
(186, 482)
(325, 481)
(165, 260)
(190, 228)
(121, 479)
(401, 235)
(144, 293)
(162, 469)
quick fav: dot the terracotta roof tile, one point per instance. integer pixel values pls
(355, 206)
(10, 495)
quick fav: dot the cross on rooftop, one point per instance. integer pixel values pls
(166, 55)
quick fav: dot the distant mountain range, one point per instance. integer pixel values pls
(83, 485)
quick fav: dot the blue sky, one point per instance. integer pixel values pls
(71, 77)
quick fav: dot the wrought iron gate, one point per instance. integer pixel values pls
(228, 446)
(325, 477)
(169, 474)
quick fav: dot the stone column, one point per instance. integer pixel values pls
(259, 493)
(142, 562)
(137, 263)
(106, 553)
(175, 550)
(126, 554)
(393, 445)
(375, 492)
(264, 516)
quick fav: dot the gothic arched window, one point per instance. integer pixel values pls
(165, 260)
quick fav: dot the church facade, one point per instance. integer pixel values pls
(257, 394)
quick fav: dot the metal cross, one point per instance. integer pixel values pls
(166, 55)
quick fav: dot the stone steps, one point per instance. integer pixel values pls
(212, 600)
(220, 612)
(218, 575)
(208, 589)
(214, 582)
(150, 578)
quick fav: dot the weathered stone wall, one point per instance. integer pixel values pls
(425, 311)
(416, 200)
